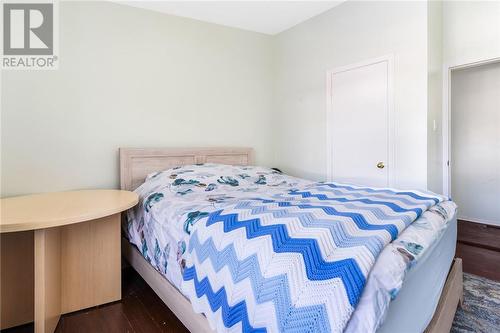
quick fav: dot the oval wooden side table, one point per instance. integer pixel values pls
(60, 252)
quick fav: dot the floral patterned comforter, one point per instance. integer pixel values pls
(173, 201)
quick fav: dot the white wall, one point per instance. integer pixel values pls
(435, 96)
(471, 31)
(352, 32)
(131, 77)
(475, 135)
(140, 78)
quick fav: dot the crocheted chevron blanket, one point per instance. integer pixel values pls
(296, 262)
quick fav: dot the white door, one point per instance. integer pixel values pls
(359, 135)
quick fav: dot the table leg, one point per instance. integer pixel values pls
(47, 279)
(74, 267)
(90, 263)
(16, 278)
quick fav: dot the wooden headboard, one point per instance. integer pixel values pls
(137, 163)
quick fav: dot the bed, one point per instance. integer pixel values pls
(425, 301)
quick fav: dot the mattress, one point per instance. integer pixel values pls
(415, 304)
(162, 238)
(399, 261)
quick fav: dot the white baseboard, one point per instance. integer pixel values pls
(471, 219)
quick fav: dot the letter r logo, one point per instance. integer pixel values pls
(28, 29)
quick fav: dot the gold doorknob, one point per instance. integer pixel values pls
(380, 165)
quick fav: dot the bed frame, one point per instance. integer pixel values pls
(137, 163)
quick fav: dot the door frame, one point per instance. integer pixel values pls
(446, 114)
(389, 58)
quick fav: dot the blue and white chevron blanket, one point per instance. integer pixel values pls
(293, 257)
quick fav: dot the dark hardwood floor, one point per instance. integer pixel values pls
(139, 311)
(479, 247)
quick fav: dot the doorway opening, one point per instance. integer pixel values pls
(472, 160)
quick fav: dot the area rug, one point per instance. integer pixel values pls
(481, 310)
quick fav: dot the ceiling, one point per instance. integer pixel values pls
(268, 17)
